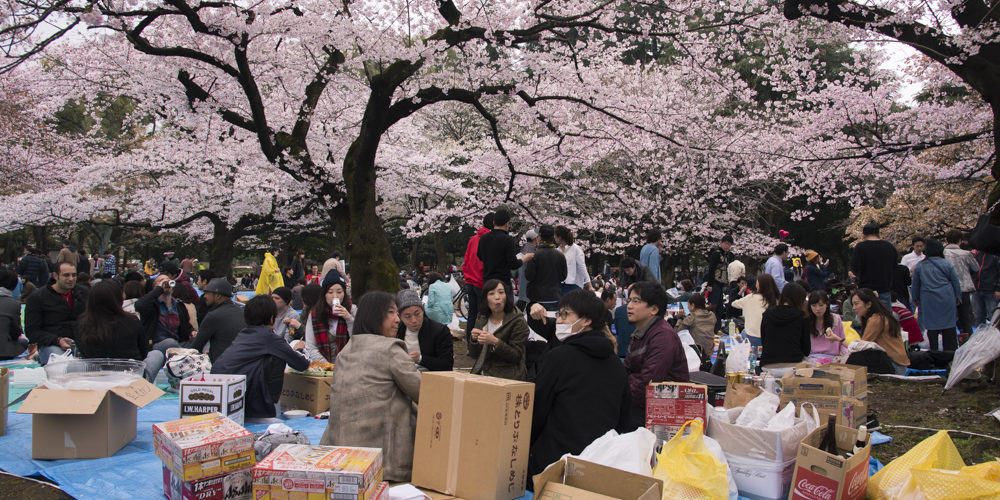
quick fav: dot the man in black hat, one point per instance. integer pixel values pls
(223, 321)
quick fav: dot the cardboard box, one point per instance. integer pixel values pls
(294, 471)
(834, 379)
(305, 392)
(850, 412)
(598, 481)
(670, 404)
(85, 424)
(761, 479)
(233, 486)
(472, 435)
(760, 444)
(203, 446)
(214, 394)
(560, 491)
(822, 476)
(4, 398)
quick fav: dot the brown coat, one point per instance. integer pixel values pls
(375, 386)
(506, 359)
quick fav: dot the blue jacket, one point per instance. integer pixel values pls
(816, 275)
(650, 257)
(260, 355)
(439, 305)
(936, 288)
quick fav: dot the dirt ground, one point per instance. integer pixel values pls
(922, 404)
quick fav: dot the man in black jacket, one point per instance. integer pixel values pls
(204, 277)
(581, 391)
(717, 275)
(546, 271)
(223, 321)
(634, 272)
(33, 267)
(163, 318)
(51, 312)
(428, 342)
(498, 252)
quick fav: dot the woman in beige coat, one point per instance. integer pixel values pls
(375, 388)
(503, 332)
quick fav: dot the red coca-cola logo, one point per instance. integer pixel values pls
(812, 486)
(858, 482)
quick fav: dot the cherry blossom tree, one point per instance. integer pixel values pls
(612, 115)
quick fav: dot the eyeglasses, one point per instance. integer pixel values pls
(636, 300)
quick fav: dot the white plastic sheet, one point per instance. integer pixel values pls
(982, 347)
(759, 411)
(739, 358)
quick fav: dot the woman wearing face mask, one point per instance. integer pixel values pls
(330, 322)
(582, 376)
(502, 331)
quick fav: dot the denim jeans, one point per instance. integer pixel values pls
(886, 299)
(983, 303)
(165, 344)
(154, 362)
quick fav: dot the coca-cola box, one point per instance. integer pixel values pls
(824, 476)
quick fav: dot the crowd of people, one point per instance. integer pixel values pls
(591, 346)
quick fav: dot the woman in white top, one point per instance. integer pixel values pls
(336, 313)
(755, 304)
(576, 265)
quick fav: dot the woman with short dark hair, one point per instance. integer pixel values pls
(375, 377)
(503, 332)
(581, 376)
(107, 331)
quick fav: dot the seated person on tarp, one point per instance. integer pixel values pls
(260, 355)
(375, 386)
(881, 347)
(580, 377)
(784, 330)
(427, 341)
(107, 331)
(700, 324)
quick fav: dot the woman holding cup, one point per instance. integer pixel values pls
(330, 322)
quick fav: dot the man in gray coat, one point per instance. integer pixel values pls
(223, 321)
(966, 267)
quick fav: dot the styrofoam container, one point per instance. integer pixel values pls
(761, 479)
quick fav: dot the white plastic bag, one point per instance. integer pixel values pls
(738, 359)
(716, 449)
(812, 419)
(630, 452)
(981, 348)
(785, 419)
(759, 411)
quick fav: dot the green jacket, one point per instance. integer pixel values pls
(506, 359)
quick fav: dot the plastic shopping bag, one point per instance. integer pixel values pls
(981, 348)
(629, 452)
(812, 419)
(850, 334)
(785, 419)
(759, 411)
(716, 449)
(934, 470)
(689, 470)
(739, 358)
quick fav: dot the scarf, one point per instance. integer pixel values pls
(329, 345)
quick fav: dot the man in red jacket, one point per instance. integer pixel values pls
(655, 353)
(472, 271)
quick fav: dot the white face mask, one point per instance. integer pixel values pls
(565, 330)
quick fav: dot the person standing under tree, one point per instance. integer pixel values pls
(717, 275)
(650, 253)
(872, 264)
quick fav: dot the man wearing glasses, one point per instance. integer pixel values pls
(655, 353)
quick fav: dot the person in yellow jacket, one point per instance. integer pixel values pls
(150, 266)
(270, 275)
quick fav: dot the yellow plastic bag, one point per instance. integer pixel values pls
(850, 334)
(934, 470)
(689, 470)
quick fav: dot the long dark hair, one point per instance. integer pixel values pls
(372, 310)
(104, 306)
(322, 310)
(795, 296)
(489, 286)
(768, 289)
(876, 306)
(816, 297)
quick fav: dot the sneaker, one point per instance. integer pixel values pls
(873, 424)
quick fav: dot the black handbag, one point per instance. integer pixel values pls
(985, 237)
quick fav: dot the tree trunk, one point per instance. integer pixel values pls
(220, 259)
(667, 269)
(372, 266)
(39, 233)
(414, 252)
(440, 253)
(993, 201)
